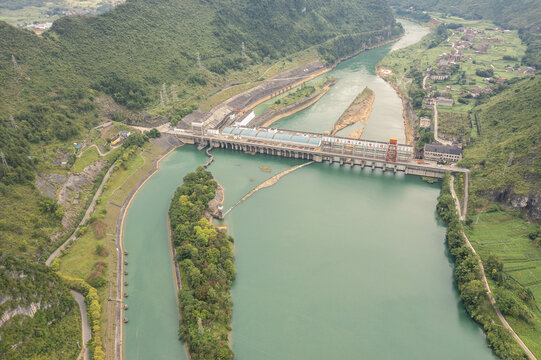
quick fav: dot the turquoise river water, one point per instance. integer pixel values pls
(332, 262)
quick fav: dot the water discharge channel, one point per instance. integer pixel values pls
(332, 262)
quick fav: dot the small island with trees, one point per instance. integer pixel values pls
(205, 258)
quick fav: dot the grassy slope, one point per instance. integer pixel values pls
(507, 155)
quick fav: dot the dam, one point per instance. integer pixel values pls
(388, 156)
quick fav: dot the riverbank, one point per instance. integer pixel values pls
(119, 241)
(273, 115)
(178, 278)
(247, 100)
(472, 283)
(407, 110)
(358, 112)
(322, 72)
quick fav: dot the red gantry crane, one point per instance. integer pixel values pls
(392, 150)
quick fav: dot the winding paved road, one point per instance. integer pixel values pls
(86, 334)
(530, 355)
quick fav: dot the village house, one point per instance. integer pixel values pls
(528, 70)
(442, 153)
(461, 44)
(481, 48)
(485, 39)
(445, 101)
(440, 77)
(442, 61)
(476, 92)
(424, 122)
(122, 135)
(428, 102)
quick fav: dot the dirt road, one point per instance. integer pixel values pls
(484, 279)
(441, 141)
(88, 212)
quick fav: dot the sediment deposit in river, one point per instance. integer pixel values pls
(358, 112)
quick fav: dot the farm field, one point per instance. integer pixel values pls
(25, 12)
(506, 235)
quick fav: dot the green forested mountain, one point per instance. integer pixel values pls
(516, 14)
(505, 160)
(158, 41)
(132, 50)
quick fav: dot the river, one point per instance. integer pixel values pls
(332, 262)
(354, 75)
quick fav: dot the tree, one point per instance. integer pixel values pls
(153, 133)
(494, 267)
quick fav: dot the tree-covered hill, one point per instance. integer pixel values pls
(516, 14)
(40, 319)
(158, 41)
(132, 52)
(506, 158)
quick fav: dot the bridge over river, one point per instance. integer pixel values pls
(316, 147)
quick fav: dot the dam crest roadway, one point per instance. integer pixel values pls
(316, 147)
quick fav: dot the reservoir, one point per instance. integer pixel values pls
(332, 262)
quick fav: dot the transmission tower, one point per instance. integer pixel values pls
(243, 52)
(198, 60)
(174, 93)
(13, 123)
(4, 162)
(164, 92)
(15, 65)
